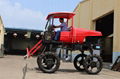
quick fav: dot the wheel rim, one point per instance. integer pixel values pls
(79, 60)
(48, 62)
(93, 64)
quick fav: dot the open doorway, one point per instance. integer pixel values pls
(17, 40)
(105, 25)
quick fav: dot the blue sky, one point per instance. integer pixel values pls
(31, 14)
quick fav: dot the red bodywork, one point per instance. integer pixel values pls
(75, 35)
(67, 15)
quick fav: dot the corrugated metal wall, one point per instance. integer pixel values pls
(88, 11)
(1, 37)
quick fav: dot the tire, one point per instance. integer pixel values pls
(38, 58)
(91, 62)
(80, 62)
(49, 61)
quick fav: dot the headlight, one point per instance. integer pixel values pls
(42, 33)
(97, 47)
(84, 39)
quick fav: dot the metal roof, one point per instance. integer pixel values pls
(67, 15)
(21, 29)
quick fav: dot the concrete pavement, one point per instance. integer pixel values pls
(11, 67)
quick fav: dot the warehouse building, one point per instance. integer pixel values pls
(18, 39)
(1, 37)
(104, 16)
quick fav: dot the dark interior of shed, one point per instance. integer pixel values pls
(105, 25)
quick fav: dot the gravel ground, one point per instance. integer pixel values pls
(11, 67)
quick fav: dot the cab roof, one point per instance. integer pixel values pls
(67, 15)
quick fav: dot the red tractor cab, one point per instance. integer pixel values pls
(71, 40)
(74, 35)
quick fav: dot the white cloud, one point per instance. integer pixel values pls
(15, 15)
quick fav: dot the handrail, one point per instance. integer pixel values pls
(35, 46)
(33, 49)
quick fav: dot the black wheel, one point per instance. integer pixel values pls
(78, 62)
(93, 64)
(38, 58)
(48, 63)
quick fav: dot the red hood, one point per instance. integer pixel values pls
(84, 32)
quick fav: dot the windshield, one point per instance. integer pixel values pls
(53, 22)
(48, 24)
